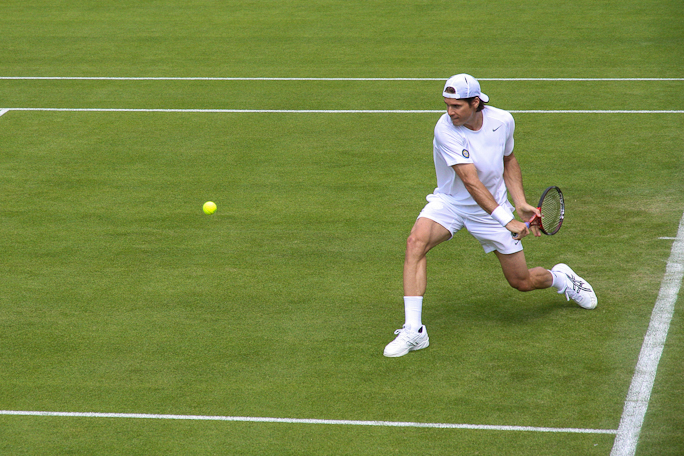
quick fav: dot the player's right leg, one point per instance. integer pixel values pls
(425, 235)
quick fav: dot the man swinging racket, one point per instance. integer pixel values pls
(476, 170)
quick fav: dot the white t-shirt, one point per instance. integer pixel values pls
(484, 148)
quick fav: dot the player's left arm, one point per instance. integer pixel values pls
(514, 184)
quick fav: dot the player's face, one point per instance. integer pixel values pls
(461, 112)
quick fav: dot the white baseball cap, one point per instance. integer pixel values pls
(463, 86)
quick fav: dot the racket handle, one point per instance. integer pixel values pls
(527, 224)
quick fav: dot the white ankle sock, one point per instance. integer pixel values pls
(413, 309)
(559, 281)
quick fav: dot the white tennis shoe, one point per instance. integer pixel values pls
(577, 288)
(407, 341)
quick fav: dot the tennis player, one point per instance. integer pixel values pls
(476, 171)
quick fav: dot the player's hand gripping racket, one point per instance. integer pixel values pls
(552, 209)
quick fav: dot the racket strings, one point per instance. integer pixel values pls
(551, 213)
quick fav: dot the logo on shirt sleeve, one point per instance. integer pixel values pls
(465, 153)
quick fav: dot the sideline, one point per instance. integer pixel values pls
(639, 392)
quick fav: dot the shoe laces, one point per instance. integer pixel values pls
(406, 336)
(575, 289)
(402, 333)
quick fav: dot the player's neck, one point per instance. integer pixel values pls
(476, 123)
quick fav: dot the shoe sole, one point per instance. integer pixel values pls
(420, 346)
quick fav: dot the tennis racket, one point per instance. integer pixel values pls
(552, 209)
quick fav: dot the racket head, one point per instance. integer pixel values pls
(552, 209)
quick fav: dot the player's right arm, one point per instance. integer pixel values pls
(483, 197)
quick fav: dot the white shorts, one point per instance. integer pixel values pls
(489, 232)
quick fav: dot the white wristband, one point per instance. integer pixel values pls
(502, 215)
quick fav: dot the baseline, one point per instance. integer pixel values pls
(124, 78)
(336, 111)
(308, 421)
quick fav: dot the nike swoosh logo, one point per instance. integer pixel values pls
(497, 128)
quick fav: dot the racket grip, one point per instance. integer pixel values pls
(527, 224)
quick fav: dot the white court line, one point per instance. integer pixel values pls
(309, 421)
(639, 392)
(3, 111)
(580, 111)
(109, 78)
(338, 111)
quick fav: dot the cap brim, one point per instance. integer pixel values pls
(481, 96)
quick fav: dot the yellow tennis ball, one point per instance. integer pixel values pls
(209, 207)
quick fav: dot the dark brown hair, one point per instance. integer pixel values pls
(480, 106)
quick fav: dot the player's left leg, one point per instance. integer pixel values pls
(521, 278)
(561, 277)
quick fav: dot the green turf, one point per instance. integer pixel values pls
(343, 38)
(117, 294)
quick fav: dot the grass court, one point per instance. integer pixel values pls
(309, 123)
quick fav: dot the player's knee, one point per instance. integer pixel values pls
(415, 245)
(521, 284)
